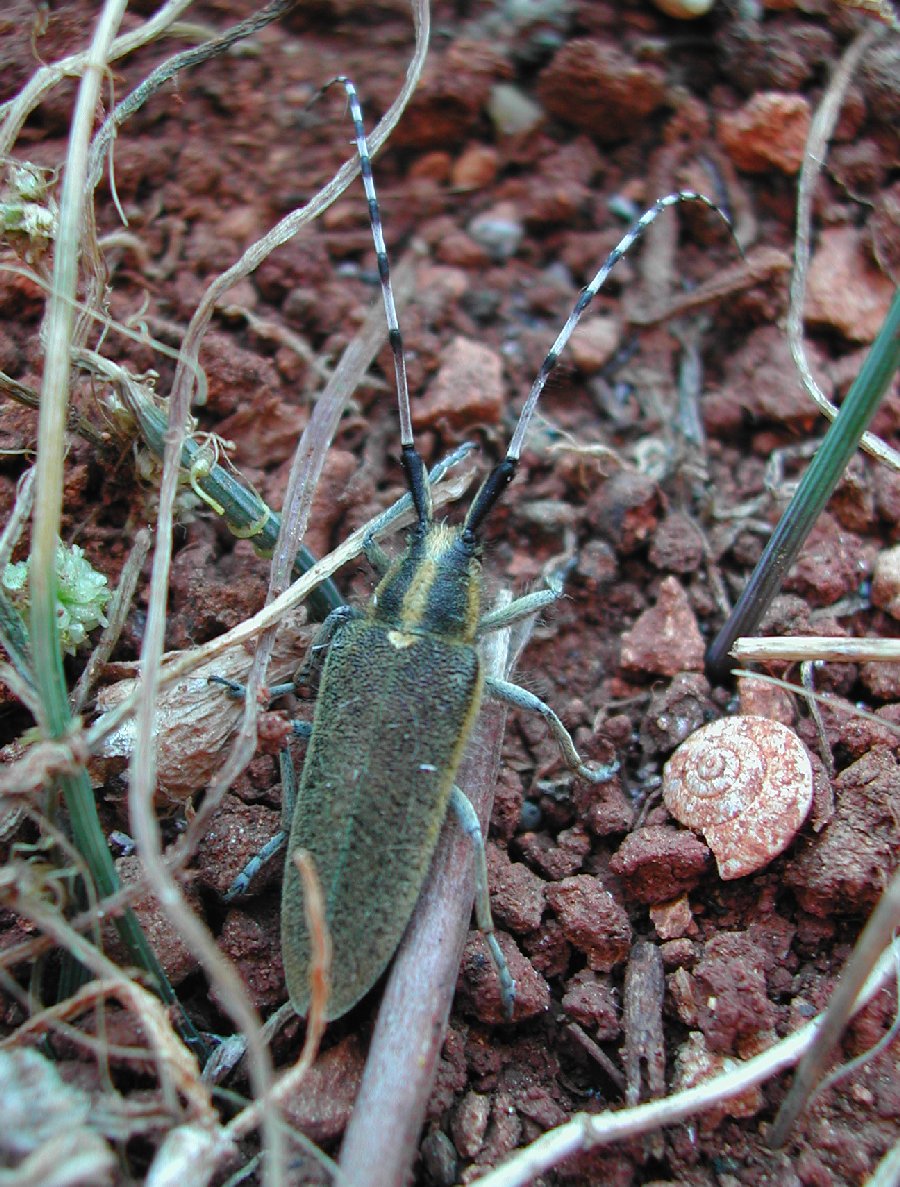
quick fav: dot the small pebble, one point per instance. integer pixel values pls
(590, 1001)
(591, 920)
(684, 10)
(322, 1109)
(498, 230)
(476, 168)
(665, 639)
(468, 387)
(469, 1124)
(843, 869)
(846, 290)
(674, 919)
(657, 863)
(594, 342)
(770, 129)
(512, 112)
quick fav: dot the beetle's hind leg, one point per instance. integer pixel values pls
(470, 825)
(241, 884)
(521, 698)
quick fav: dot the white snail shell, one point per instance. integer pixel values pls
(746, 784)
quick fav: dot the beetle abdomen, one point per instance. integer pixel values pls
(387, 741)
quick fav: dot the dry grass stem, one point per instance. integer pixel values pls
(176, 1067)
(758, 649)
(58, 330)
(15, 112)
(19, 517)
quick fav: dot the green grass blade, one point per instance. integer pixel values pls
(814, 491)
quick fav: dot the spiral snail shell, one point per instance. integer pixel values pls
(746, 784)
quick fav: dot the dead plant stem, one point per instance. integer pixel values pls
(17, 110)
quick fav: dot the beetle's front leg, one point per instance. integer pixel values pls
(468, 819)
(309, 671)
(521, 698)
(524, 607)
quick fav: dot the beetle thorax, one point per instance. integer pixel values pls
(433, 587)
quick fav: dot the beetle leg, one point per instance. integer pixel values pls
(309, 671)
(521, 698)
(375, 555)
(241, 884)
(468, 820)
(525, 606)
(518, 610)
(235, 689)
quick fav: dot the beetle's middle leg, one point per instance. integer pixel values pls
(521, 698)
(522, 608)
(241, 883)
(468, 819)
(308, 672)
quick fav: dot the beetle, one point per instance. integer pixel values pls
(400, 683)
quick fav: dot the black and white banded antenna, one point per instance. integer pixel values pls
(503, 473)
(416, 473)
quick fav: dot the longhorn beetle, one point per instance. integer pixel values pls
(400, 684)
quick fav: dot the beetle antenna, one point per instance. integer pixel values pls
(416, 474)
(504, 472)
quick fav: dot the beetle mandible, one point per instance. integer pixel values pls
(400, 684)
